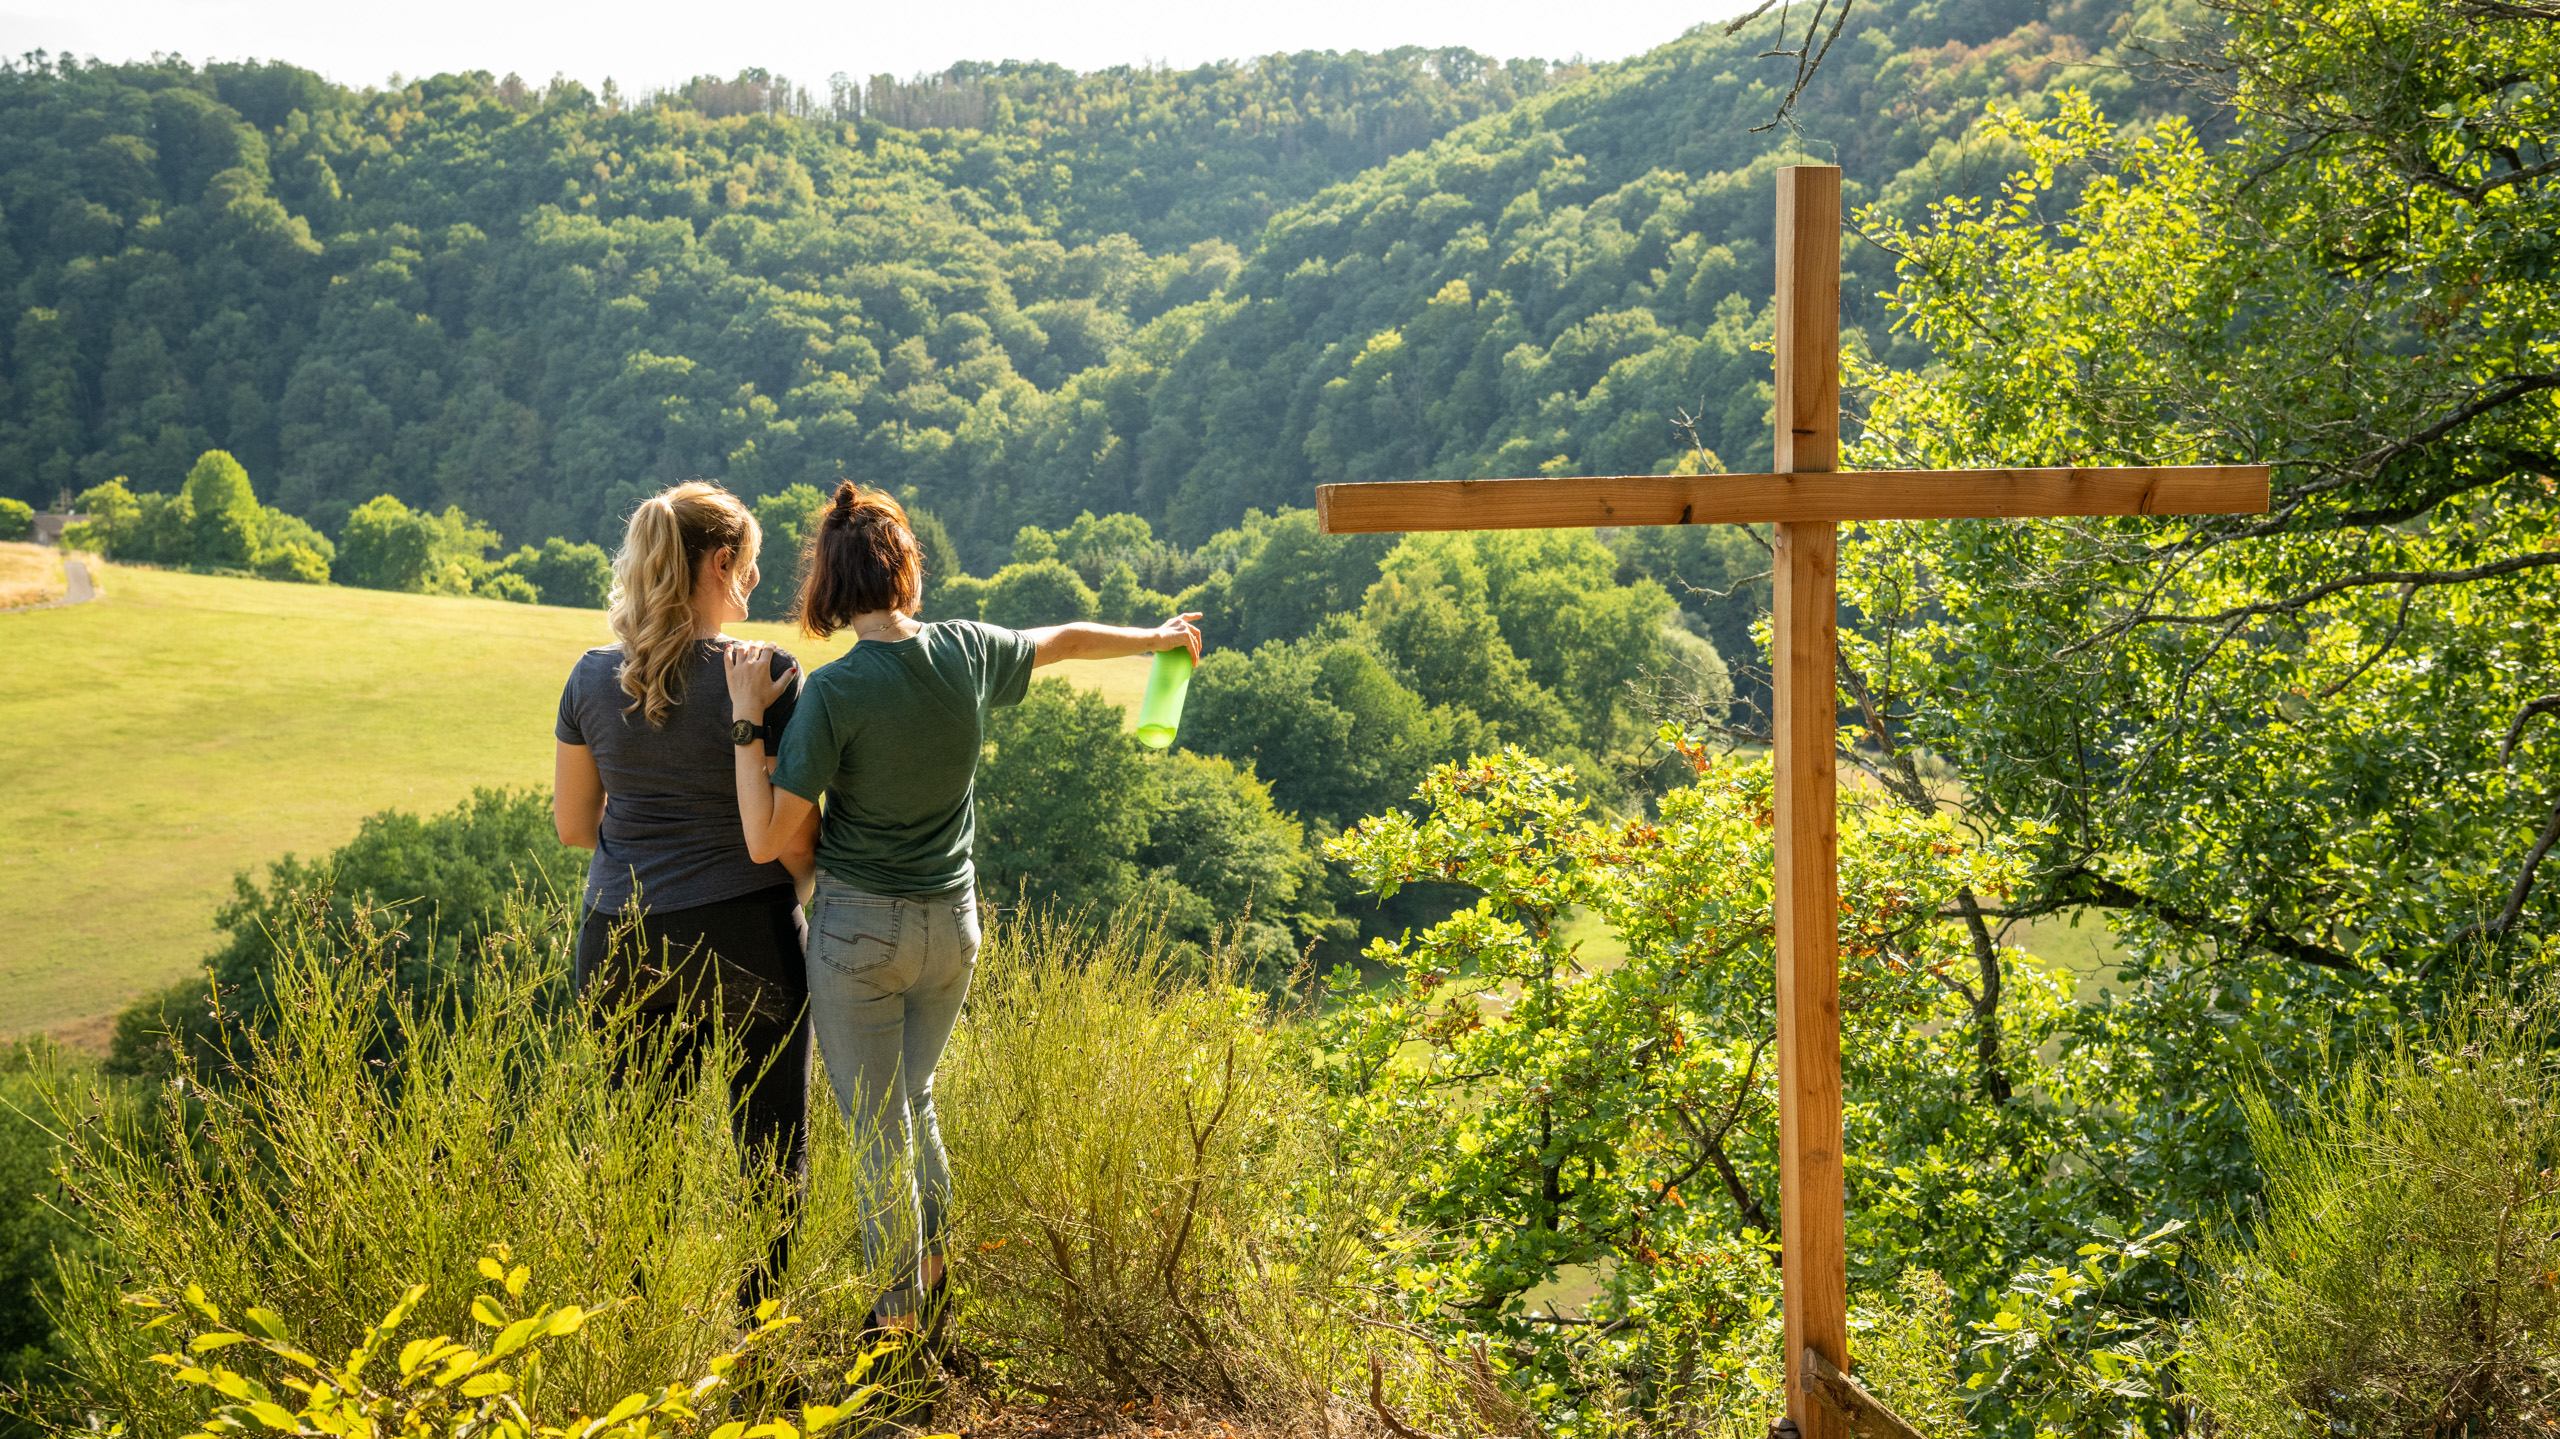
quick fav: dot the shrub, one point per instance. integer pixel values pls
(1148, 1204)
(32, 1230)
(1587, 1113)
(294, 562)
(223, 513)
(277, 529)
(577, 576)
(437, 1386)
(1043, 592)
(375, 1134)
(112, 511)
(386, 546)
(2398, 1278)
(17, 519)
(447, 877)
(507, 585)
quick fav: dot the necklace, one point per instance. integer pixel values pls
(876, 631)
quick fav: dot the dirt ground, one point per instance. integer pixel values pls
(977, 1416)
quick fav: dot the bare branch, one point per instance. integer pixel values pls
(2477, 193)
(1808, 58)
(2088, 887)
(2516, 896)
(2408, 593)
(2506, 394)
(1736, 27)
(2547, 704)
(2536, 560)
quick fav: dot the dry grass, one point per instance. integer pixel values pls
(29, 575)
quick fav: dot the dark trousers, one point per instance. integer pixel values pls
(670, 973)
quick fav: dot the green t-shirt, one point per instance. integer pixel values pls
(890, 733)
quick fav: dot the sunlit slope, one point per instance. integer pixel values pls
(187, 727)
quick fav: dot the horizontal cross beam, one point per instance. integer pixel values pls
(1593, 502)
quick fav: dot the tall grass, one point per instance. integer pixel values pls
(2403, 1273)
(1150, 1202)
(378, 1139)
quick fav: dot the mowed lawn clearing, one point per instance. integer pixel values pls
(187, 727)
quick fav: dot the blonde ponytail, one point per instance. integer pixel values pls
(652, 604)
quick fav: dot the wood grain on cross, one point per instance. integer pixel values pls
(1805, 499)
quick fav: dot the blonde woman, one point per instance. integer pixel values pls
(889, 734)
(679, 916)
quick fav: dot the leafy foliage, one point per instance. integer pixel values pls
(2297, 757)
(1071, 812)
(442, 886)
(222, 513)
(1594, 1111)
(443, 1386)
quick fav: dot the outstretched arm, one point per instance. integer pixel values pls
(779, 825)
(1086, 641)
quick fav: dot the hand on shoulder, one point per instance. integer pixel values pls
(754, 683)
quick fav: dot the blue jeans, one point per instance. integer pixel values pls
(886, 978)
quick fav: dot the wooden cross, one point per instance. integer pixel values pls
(1806, 499)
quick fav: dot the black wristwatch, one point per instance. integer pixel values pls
(747, 732)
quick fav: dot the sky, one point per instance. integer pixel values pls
(646, 44)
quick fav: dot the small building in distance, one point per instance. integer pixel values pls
(51, 523)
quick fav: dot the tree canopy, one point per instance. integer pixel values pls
(1023, 292)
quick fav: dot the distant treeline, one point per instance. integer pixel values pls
(1022, 292)
(215, 524)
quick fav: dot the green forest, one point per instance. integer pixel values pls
(1426, 988)
(1176, 295)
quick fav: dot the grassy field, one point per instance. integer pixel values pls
(187, 727)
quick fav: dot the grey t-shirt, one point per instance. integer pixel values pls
(671, 809)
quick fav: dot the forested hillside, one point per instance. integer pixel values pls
(1183, 295)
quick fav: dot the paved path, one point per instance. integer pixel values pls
(77, 589)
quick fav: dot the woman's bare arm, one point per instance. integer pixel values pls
(577, 796)
(1087, 641)
(776, 822)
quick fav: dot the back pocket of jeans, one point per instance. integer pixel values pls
(857, 934)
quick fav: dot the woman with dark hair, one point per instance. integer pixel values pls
(680, 919)
(889, 733)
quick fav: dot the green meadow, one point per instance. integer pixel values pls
(186, 727)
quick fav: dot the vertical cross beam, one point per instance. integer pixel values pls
(1804, 643)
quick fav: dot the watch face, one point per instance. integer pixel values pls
(741, 732)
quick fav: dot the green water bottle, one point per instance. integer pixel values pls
(1160, 713)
